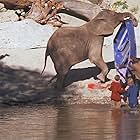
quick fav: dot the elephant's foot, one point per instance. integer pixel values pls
(101, 77)
(59, 83)
(59, 87)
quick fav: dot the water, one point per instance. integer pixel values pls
(75, 122)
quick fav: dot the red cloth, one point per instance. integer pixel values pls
(116, 91)
(91, 86)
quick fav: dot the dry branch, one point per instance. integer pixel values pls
(44, 10)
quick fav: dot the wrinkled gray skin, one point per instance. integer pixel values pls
(71, 45)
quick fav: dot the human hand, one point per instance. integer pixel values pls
(126, 87)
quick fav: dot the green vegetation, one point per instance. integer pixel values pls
(120, 4)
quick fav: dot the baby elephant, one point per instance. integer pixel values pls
(71, 45)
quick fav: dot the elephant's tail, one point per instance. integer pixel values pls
(46, 55)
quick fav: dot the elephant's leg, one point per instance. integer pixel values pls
(104, 72)
(95, 56)
(104, 69)
(60, 82)
(63, 60)
(62, 70)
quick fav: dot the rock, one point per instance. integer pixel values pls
(87, 10)
(71, 20)
(75, 21)
(105, 4)
(24, 34)
(1, 6)
(17, 39)
(8, 15)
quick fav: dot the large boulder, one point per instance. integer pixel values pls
(18, 40)
(24, 34)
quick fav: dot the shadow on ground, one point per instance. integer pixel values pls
(22, 86)
(85, 73)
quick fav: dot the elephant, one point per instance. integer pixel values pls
(71, 45)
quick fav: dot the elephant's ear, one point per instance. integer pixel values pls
(103, 27)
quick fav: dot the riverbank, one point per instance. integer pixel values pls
(21, 83)
(23, 86)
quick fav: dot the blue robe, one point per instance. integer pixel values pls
(132, 94)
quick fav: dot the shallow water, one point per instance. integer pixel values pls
(75, 122)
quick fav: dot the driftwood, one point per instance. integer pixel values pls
(79, 8)
(44, 11)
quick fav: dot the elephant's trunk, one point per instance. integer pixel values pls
(132, 17)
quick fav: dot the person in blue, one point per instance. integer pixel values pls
(132, 92)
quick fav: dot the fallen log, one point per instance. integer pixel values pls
(87, 10)
(42, 13)
(42, 10)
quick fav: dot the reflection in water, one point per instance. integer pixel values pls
(27, 123)
(127, 125)
(75, 122)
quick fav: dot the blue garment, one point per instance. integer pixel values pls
(138, 83)
(132, 94)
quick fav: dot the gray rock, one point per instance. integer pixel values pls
(24, 34)
(1, 6)
(8, 15)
